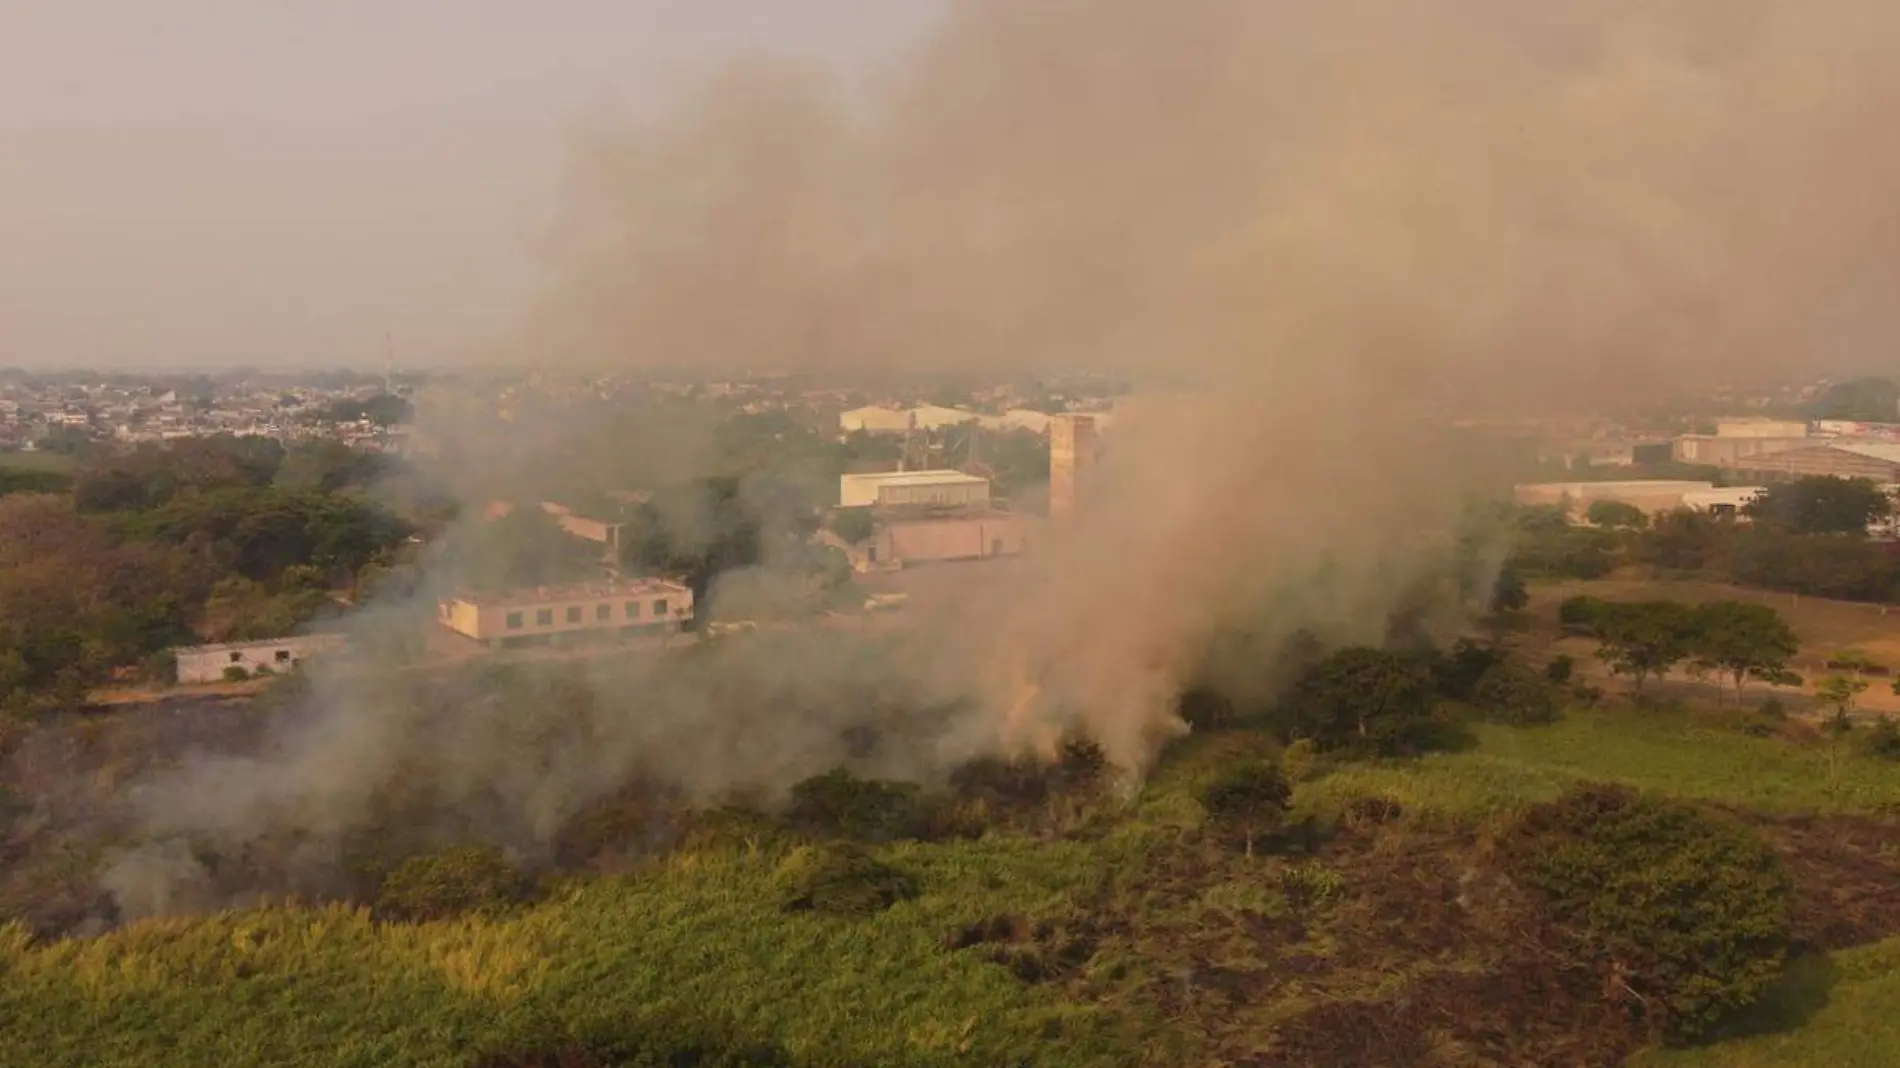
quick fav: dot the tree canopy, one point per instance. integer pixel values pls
(1822, 504)
(1866, 400)
(1364, 698)
(1743, 641)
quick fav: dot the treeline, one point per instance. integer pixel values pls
(213, 539)
(1809, 536)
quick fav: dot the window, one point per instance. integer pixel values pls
(603, 613)
(870, 554)
(237, 657)
(544, 617)
(573, 613)
(633, 609)
(283, 656)
(514, 621)
(659, 609)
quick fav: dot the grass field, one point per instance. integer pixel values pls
(701, 930)
(59, 463)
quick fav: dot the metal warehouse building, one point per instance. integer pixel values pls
(1878, 462)
(896, 489)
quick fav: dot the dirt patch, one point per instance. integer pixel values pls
(1846, 870)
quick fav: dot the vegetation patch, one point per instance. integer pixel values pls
(454, 882)
(840, 880)
(1685, 915)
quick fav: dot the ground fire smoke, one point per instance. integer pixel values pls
(1348, 221)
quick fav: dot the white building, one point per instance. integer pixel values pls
(874, 420)
(1729, 500)
(211, 663)
(1760, 428)
(937, 417)
(544, 614)
(896, 489)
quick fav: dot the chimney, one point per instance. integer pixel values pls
(1071, 459)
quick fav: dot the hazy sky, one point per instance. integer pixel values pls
(278, 182)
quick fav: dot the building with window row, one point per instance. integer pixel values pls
(592, 610)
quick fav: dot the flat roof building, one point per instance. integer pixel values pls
(546, 614)
(897, 489)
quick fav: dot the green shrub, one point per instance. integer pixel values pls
(1882, 740)
(1250, 799)
(1513, 694)
(236, 673)
(160, 668)
(454, 882)
(1687, 913)
(840, 804)
(655, 1041)
(1310, 884)
(1458, 673)
(840, 880)
(1579, 615)
(1302, 761)
(1560, 669)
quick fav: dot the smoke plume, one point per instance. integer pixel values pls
(1349, 222)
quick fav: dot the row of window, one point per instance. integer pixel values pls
(575, 614)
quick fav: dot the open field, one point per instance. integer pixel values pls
(38, 461)
(1167, 948)
(1826, 628)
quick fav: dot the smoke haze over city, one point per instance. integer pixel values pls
(1349, 223)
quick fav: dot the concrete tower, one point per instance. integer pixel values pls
(1071, 459)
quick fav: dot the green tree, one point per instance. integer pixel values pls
(1363, 698)
(1684, 540)
(1511, 693)
(1616, 515)
(527, 547)
(1251, 798)
(854, 525)
(1839, 692)
(1822, 504)
(1865, 400)
(1645, 639)
(1743, 641)
(1509, 594)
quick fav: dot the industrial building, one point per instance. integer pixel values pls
(1754, 427)
(1733, 451)
(1649, 495)
(1878, 462)
(546, 614)
(1072, 456)
(211, 663)
(1736, 442)
(913, 489)
(901, 543)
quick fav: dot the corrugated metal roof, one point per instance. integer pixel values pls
(914, 478)
(1887, 453)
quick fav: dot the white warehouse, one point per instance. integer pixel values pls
(897, 489)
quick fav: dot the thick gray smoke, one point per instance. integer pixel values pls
(1351, 220)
